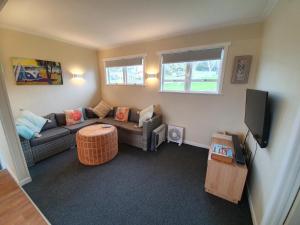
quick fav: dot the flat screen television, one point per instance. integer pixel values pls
(257, 115)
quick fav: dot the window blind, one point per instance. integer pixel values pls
(124, 62)
(192, 55)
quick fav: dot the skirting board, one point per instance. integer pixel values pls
(25, 181)
(196, 144)
(251, 207)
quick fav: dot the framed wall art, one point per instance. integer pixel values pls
(241, 69)
(37, 72)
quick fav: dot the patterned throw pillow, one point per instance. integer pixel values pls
(122, 114)
(102, 109)
(73, 116)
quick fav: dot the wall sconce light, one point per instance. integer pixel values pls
(151, 75)
(77, 78)
(77, 75)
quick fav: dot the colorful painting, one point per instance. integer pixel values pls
(37, 72)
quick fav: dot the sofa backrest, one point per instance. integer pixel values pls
(61, 119)
(89, 114)
(51, 123)
(134, 115)
(112, 112)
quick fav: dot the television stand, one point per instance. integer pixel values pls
(225, 180)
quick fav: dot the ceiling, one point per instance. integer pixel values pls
(109, 23)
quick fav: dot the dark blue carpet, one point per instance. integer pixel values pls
(136, 188)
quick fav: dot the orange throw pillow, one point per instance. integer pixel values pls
(73, 116)
(122, 114)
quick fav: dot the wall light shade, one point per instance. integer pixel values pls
(151, 75)
(77, 78)
(77, 75)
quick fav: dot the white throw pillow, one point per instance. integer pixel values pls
(146, 114)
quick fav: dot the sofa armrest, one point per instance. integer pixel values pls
(148, 127)
(25, 144)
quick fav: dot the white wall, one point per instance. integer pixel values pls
(200, 114)
(43, 99)
(5, 157)
(279, 74)
(10, 148)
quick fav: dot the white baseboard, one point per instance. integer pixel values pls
(25, 181)
(251, 207)
(196, 144)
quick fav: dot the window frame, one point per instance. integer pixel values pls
(124, 70)
(220, 81)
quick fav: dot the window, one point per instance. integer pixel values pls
(194, 71)
(127, 71)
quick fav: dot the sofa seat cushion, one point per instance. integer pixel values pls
(128, 126)
(76, 127)
(49, 135)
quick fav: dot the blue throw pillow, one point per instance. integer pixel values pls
(36, 120)
(28, 124)
(25, 132)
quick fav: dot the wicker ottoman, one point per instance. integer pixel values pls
(97, 144)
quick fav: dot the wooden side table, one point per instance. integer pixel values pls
(224, 180)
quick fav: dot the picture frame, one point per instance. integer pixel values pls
(241, 69)
(37, 72)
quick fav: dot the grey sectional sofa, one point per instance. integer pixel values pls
(57, 137)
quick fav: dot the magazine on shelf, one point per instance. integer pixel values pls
(222, 153)
(223, 150)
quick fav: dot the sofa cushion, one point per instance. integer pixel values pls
(134, 115)
(102, 109)
(49, 135)
(35, 122)
(128, 126)
(25, 133)
(122, 114)
(112, 112)
(89, 114)
(73, 116)
(60, 119)
(146, 114)
(75, 127)
(51, 123)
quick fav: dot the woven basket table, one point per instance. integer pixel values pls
(97, 144)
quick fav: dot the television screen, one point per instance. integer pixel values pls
(257, 115)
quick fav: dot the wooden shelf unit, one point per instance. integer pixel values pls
(224, 180)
